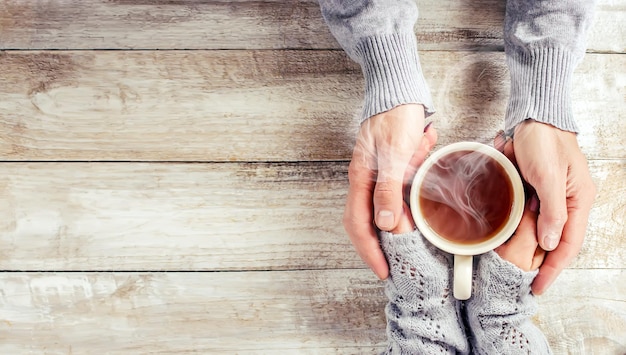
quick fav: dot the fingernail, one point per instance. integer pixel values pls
(533, 203)
(428, 126)
(550, 241)
(384, 220)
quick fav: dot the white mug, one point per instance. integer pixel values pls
(464, 251)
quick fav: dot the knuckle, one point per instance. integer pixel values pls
(569, 250)
(544, 178)
(558, 218)
(353, 171)
(359, 174)
(584, 191)
(386, 191)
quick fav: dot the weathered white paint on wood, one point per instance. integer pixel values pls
(245, 106)
(213, 105)
(267, 24)
(173, 217)
(115, 216)
(584, 312)
(334, 311)
(256, 105)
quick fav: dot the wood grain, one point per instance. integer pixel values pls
(256, 105)
(185, 162)
(331, 312)
(267, 24)
(173, 217)
(215, 105)
(115, 216)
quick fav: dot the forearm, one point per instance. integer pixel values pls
(379, 35)
(544, 41)
(422, 315)
(500, 310)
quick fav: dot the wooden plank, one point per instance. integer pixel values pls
(173, 217)
(334, 311)
(247, 24)
(179, 217)
(150, 105)
(163, 24)
(584, 313)
(256, 105)
(118, 313)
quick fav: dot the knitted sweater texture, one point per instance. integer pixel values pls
(424, 318)
(543, 41)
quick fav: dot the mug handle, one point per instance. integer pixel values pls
(462, 287)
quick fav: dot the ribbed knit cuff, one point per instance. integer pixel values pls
(540, 88)
(393, 74)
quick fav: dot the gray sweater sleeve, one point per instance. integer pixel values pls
(380, 36)
(422, 315)
(424, 318)
(544, 41)
(500, 310)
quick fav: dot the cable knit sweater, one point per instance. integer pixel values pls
(543, 40)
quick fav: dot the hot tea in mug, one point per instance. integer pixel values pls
(467, 199)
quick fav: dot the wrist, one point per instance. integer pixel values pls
(541, 87)
(500, 286)
(393, 74)
(422, 315)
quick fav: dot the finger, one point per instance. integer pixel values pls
(365, 241)
(499, 141)
(363, 235)
(521, 248)
(553, 208)
(540, 256)
(388, 193)
(542, 162)
(426, 145)
(358, 215)
(508, 150)
(558, 259)
(571, 242)
(405, 222)
(429, 139)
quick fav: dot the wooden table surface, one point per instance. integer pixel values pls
(173, 174)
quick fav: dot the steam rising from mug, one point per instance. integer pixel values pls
(466, 197)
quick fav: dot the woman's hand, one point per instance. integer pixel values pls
(389, 148)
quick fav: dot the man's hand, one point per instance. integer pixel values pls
(388, 150)
(550, 160)
(522, 249)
